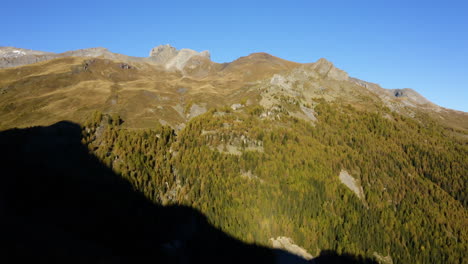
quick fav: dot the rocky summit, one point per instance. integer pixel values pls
(172, 58)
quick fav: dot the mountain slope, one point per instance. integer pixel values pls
(148, 93)
(267, 149)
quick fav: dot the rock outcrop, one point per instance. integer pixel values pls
(327, 69)
(409, 93)
(13, 57)
(352, 184)
(287, 244)
(163, 53)
(172, 58)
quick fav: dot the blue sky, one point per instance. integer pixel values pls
(398, 44)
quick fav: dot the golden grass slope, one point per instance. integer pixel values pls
(145, 95)
(70, 88)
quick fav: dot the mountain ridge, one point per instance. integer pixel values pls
(116, 79)
(171, 58)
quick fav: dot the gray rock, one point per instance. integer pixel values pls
(206, 54)
(163, 53)
(287, 244)
(13, 57)
(327, 69)
(183, 56)
(196, 110)
(236, 106)
(409, 93)
(172, 58)
(399, 93)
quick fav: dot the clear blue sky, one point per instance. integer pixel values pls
(399, 44)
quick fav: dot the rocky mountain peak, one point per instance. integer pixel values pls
(323, 66)
(172, 58)
(163, 53)
(324, 62)
(326, 68)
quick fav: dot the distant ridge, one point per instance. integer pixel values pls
(109, 81)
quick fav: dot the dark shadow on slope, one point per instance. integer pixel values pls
(331, 257)
(60, 204)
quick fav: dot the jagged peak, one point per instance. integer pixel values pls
(170, 57)
(168, 49)
(327, 69)
(323, 61)
(161, 49)
(409, 93)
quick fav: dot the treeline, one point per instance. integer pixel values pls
(412, 173)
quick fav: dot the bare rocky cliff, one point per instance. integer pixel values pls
(171, 58)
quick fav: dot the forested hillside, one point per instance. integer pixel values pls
(259, 177)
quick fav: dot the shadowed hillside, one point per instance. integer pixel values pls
(59, 204)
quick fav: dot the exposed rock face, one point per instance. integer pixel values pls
(12, 57)
(281, 81)
(172, 58)
(205, 54)
(399, 93)
(383, 259)
(409, 93)
(395, 99)
(370, 86)
(352, 184)
(287, 244)
(326, 68)
(196, 110)
(163, 53)
(180, 60)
